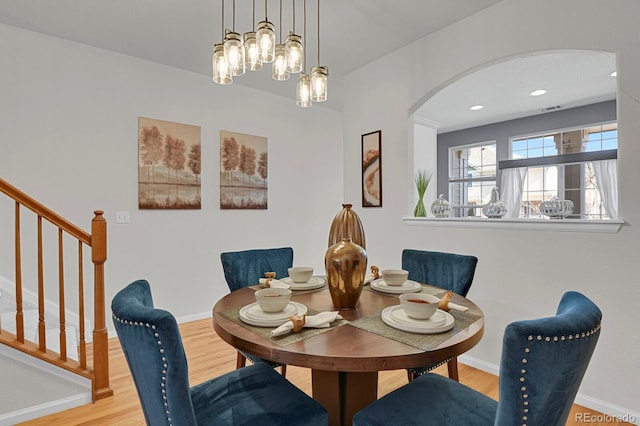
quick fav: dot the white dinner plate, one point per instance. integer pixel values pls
(300, 309)
(436, 319)
(388, 318)
(314, 282)
(406, 287)
(254, 311)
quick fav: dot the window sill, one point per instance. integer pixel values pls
(571, 225)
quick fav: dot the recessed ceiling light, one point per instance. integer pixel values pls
(538, 92)
(476, 107)
(614, 74)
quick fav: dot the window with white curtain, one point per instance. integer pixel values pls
(576, 164)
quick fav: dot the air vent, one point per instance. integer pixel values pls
(551, 108)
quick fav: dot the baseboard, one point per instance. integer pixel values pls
(485, 366)
(611, 412)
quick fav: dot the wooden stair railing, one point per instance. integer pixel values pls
(98, 373)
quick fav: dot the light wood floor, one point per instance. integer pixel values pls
(209, 356)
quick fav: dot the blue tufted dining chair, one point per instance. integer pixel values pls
(542, 365)
(152, 345)
(245, 268)
(445, 270)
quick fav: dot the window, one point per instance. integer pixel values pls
(566, 164)
(472, 175)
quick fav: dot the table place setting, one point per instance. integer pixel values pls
(406, 287)
(252, 314)
(311, 284)
(392, 281)
(440, 319)
(418, 313)
(395, 282)
(300, 279)
(273, 313)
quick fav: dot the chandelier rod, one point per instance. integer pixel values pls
(293, 2)
(318, 32)
(304, 32)
(280, 22)
(233, 24)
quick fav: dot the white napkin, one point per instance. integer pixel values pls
(274, 283)
(457, 307)
(321, 320)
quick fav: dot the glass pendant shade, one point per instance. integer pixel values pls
(252, 60)
(319, 83)
(279, 66)
(294, 53)
(234, 52)
(266, 41)
(303, 91)
(221, 74)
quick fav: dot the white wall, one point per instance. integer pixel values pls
(69, 119)
(520, 274)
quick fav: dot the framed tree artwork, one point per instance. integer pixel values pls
(372, 169)
(244, 171)
(168, 165)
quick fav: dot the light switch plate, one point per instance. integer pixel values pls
(122, 217)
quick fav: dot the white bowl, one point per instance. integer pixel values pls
(394, 277)
(419, 305)
(273, 299)
(300, 274)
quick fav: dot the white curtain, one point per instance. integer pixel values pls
(607, 177)
(511, 190)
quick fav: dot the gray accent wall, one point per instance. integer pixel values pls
(503, 131)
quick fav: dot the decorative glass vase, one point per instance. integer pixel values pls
(495, 209)
(441, 207)
(347, 224)
(346, 265)
(556, 209)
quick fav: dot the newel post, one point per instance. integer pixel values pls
(101, 387)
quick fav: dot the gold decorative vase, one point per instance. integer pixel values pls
(346, 265)
(347, 224)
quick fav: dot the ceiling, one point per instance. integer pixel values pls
(181, 34)
(571, 79)
(353, 33)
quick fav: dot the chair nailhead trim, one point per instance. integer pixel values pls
(527, 350)
(163, 377)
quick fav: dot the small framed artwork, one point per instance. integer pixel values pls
(372, 169)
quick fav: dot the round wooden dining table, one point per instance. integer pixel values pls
(344, 360)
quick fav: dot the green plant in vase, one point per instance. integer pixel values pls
(423, 178)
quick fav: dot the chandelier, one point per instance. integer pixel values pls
(236, 54)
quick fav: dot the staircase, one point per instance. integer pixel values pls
(43, 343)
